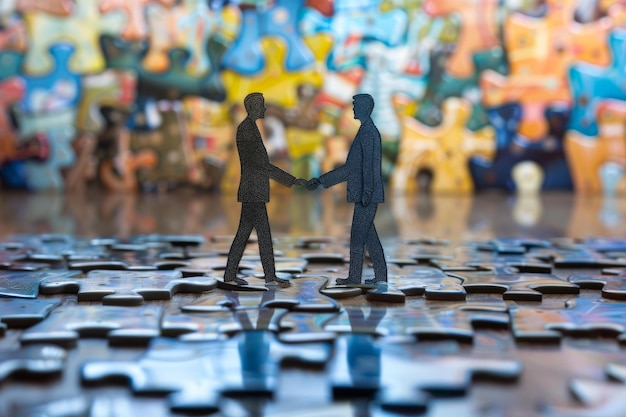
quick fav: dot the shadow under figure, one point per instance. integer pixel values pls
(363, 173)
(253, 194)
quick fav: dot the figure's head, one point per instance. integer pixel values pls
(363, 106)
(255, 105)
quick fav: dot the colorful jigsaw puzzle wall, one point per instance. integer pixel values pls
(470, 94)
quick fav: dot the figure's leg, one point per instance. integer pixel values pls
(266, 246)
(361, 222)
(239, 245)
(375, 249)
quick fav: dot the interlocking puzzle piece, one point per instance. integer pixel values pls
(442, 85)
(350, 25)
(514, 285)
(58, 89)
(593, 84)
(513, 148)
(247, 364)
(443, 150)
(136, 26)
(25, 312)
(26, 284)
(421, 320)
(127, 287)
(576, 258)
(587, 154)
(32, 361)
(537, 75)
(298, 327)
(59, 129)
(279, 20)
(400, 376)
(120, 325)
(84, 406)
(303, 294)
(194, 325)
(580, 317)
(82, 28)
(612, 286)
(427, 281)
(279, 86)
(109, 88)
(478, 30)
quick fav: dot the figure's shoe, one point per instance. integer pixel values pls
(374, 281)
(277, 280)
(347, 281)
(236, 280)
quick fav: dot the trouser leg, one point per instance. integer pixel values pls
(239, 243)
(375, 249)
(266, 246)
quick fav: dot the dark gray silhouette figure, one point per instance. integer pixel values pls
(362, 171)
(254, 190)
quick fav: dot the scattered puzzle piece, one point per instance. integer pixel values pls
(537, 75)
(245, 364)
(612, 286)
(587, 154)
(120, 325)
(126, 287)
(33, 361)
(25, 312)
(26, 284)
(514, 285)
(443, 151)
(400, 377)
(580, 317)
(135, 28)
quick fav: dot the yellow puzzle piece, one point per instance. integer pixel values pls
(443, 151)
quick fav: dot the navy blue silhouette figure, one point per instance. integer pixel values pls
(254, 190)
(362, 171)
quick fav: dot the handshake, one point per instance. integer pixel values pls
(310, 185)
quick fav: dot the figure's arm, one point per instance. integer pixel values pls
(367, 149)
(280, 176)
(334, 177)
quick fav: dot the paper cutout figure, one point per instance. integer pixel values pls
(254, 189)
(363, 173)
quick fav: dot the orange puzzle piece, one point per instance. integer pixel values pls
(478, 30)
(11, 90)
(540, 52)
(586, 155)
(443, 151)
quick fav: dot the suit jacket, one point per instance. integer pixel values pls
(256, 169)
(362, 169)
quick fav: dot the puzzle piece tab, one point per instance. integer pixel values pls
(26, 284)
(443, 151)
(120, 325)
(245, 364)
(33, 361)
(514, 285)
(580, 317)
(21, 312)
(126, 287)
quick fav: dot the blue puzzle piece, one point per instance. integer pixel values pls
(245, 55)
(281, 20)
(513, 148)
(55, 91)
(591, 84)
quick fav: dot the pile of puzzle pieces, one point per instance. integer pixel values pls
(111, 326)
(470, 94)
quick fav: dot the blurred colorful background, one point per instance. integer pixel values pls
(145, 95)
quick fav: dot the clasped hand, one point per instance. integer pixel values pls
(310, 185)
